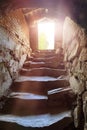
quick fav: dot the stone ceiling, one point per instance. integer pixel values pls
(76, 9)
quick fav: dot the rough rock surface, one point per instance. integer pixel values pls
(74, 44)
(75, 48)
(14, 47)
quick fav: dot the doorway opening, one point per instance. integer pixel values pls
(46, 34)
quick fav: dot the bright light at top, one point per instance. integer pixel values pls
(46, 35)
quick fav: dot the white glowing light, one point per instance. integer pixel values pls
(36, 120)
(46, 35)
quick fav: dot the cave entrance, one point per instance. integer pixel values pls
(46, 34)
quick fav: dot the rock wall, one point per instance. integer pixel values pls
(75, 48)
(14, 47)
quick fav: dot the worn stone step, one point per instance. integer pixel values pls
(23, 107)
(56, 58)
(45, 122)
(23, 104)
(43, 72)
(54, 64)
(39, 84)
(63, 97)
(42, 54)
(17, 87)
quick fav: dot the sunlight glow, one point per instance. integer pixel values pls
(46, 35)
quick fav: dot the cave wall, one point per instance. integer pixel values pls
(14, 47)
(75, 48)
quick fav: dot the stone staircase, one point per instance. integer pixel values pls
(41, 97)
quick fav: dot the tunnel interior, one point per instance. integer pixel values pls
(43, 75)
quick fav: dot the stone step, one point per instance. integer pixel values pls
(41, 122)
(43, 72)
(40, 87)
(64, 97)
(24, 104)
(42, 54)
(55, 65)
(56, 58)
(25, 87)
(25, 107)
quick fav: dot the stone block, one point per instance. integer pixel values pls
(74, 38)
(73, 49)
(76, 85)
(83, 55)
